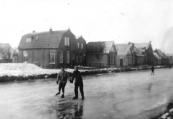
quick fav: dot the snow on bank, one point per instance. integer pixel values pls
(27, 70)
(23, 69)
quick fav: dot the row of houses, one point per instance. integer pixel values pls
(53, 49)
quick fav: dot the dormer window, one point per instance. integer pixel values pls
(28, 40)
(67, 41)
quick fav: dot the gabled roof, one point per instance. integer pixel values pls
(100, 47)
(139, 51)
(122, 49)
(49, 39)
(161, 54)
(142, 45)
(156, 55)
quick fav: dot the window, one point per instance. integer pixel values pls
(52, 57)
(81, 45)
(28, 40)
(78, 45)
(61, 57)
(67, 41)
(68, 56)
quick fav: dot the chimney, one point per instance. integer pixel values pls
(33, 31)
(129, 43)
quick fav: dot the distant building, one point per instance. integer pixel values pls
(5, 53)
(156, 59)
(49, 49)
(164, 58)
(80, 51)
(146, 52)
(170, 57)
(125, 55)
(101, 54)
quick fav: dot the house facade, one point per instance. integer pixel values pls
(101, 54)
(170, 59)
(144, 53)
(80, 51)
(5, 53)
(164, 58)
(50, 49)
(125, 55)
(156, 59)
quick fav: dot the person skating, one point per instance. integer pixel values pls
(62, 80)
(78, 83)
(152, 70)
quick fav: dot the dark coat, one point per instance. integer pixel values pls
(78, 78)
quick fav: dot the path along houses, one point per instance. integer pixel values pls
(53, 49)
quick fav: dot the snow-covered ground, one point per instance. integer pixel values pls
(26, 69)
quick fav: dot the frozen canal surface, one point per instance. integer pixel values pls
(109, 96)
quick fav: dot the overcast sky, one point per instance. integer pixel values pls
(122, 21)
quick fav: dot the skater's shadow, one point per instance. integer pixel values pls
(70, 110)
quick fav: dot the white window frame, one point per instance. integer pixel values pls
(68, 57)
(82, 46)
(61, 56)
(78, 45)
(67, 41)
(28, 40)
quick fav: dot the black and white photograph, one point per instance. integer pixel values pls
(86, 59)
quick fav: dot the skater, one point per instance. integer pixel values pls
(62, 80)
(152, 70)
(78, 83)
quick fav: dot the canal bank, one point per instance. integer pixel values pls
(24, 71)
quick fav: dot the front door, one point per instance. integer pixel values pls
(121, 62)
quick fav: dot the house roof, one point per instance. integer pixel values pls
(122, 49)
(49, 39)
(161, 54)
(156, 55)
(139, 51)
(100, 47)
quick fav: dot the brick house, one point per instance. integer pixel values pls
(170, 57)
(147, 50)
(140, 56)
(49, 49)
(156, 59)
(101, 54)
(164, 58)
(125, 55)
(80, 51)
(5, 53)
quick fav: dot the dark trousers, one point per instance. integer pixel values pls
(81, 90)
(62, 86)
